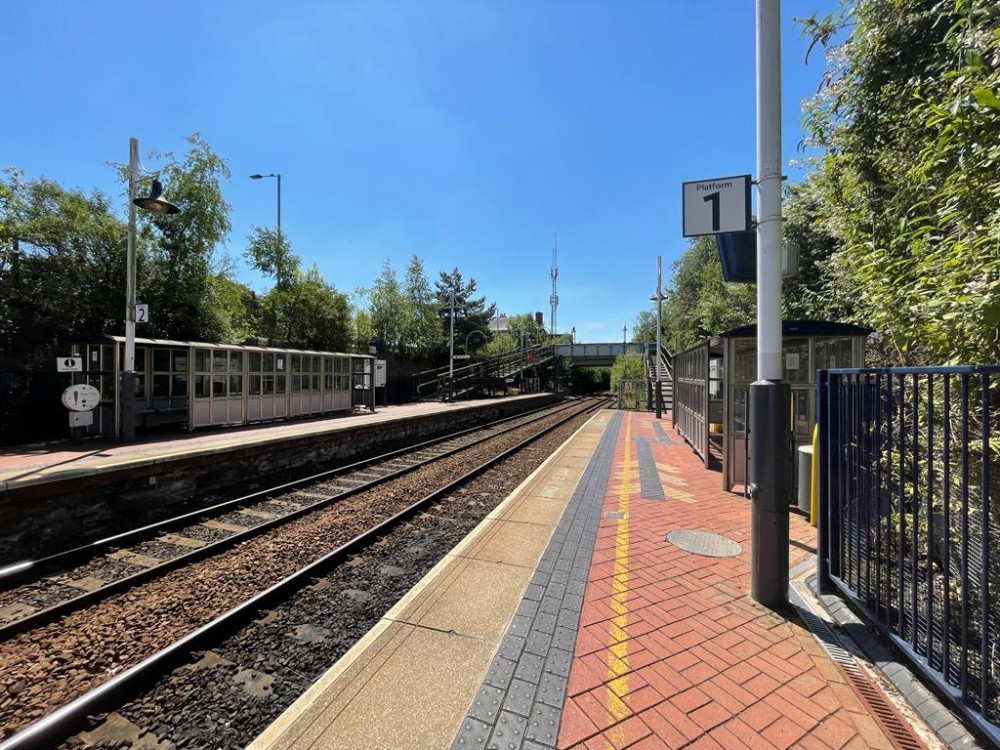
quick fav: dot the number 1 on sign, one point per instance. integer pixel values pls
(714, 197)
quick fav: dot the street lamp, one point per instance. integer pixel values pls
(156, 204)
(624, 331)
(659, 364)
(572, 335)
(278, 176)
(475, 330)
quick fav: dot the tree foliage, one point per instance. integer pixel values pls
(62, 265)
(908, 183)
(471, 313)
(178, 251)
(699, 303)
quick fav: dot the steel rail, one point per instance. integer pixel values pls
(60, 609)
(58, 725)
(15, 571)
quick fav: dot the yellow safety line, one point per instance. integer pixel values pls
(617, 656)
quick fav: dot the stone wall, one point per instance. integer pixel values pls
(42, 518)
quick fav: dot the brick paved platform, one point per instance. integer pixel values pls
(617, 638)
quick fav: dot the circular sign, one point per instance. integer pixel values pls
(81, 397)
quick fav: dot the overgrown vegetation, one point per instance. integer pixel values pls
(899, 220)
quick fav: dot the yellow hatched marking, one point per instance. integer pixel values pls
(617, 656)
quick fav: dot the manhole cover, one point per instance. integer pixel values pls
(704, 543)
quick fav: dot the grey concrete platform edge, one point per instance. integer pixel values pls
(519, 704)
(948, 727)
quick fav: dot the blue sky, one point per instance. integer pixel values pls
(468, 132)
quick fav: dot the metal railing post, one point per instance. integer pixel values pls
(833, 452)
(822, 490)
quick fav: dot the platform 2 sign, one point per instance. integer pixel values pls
(716, 206)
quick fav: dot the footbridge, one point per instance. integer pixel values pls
(597, 355)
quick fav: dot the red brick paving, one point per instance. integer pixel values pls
(695, 663)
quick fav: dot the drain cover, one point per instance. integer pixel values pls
(704, 543)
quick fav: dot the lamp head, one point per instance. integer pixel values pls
(256, 177)
(155, 203)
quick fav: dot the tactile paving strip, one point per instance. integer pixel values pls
(704, 543)
(662, 436)
(650, 487)
(519, 705)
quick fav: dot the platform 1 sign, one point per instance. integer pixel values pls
(716, 206)
(69, 364)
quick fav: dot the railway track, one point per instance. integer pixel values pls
(75, 578)
(95, 658)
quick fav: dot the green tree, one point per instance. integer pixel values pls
(626, 367)
(388, 308)
(307, 312)
(644, 326)
(177, 251)
(272, 255)
(62, 266)
(422, 333)
(698, 303)
(909, 128)
(471, 313)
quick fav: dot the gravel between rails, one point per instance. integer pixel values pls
(45, 668)
(59, 586)
(226, 699)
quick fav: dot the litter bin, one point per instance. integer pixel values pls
(805, 478)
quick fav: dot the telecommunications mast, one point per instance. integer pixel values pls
(554, 298)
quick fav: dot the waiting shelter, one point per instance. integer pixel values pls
(712, 387)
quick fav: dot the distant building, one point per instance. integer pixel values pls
(500, 324)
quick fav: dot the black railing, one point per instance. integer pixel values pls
(909, 517)
(475, 376)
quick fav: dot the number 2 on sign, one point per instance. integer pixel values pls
(714, 197)
(142, 313)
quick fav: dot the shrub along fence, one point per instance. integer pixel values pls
(909, 517)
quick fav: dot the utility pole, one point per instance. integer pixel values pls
(769, 397)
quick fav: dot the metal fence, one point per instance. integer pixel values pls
(909, 517)
(691, 392)
(634, 395)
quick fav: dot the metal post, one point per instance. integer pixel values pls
(769, 397)
(128, 369)
(822, 489)
(659, 365)
(451, 347)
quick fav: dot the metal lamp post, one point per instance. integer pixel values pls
(158, 205)
(659, 364)
(451, 345)
(572, 335)
(769, 396)
(278, 176)
(624, 332)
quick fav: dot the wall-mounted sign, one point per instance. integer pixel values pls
(715, 206)
(69, 364)
(82, 397)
